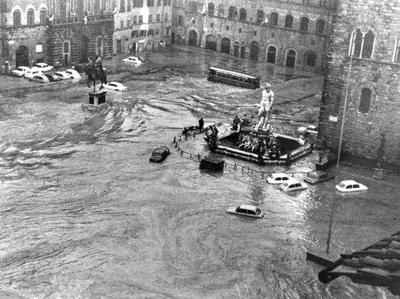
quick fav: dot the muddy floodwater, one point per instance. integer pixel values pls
(83, 214)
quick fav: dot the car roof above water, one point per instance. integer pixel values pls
(248, 207)
(348, 182)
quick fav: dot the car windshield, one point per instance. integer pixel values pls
(313, 175)
(258, 211)
(342, 185)
(285, 184)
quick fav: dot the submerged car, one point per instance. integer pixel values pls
(115, 86)
(20, 71)
(246, 210)
(350, 186)
(133, 60)
(278, 178)
(62, 75)
(159, 154)
(318, 176)
(292, 185)
(41, 78)
(31, 72)
(43, 67)
(73, 74)
(53, 77)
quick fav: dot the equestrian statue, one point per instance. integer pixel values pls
(95, 71)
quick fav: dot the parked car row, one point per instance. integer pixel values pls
(43, 73)
(288, 183)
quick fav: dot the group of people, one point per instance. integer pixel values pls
(212, 137)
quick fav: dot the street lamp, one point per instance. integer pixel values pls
(341, 138)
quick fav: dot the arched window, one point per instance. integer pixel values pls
(274, 19)
(290, 58)
(17, 18)
(260, 17)
(221, 10)
(304, 24)
(365, 100)
(320, 26)
(271, 54)
(122, 6)
(288, 21)
(43, 16)
(30, 16)
(396, 56)
(67, 52)
(242, 15)
(210, 9)
(310, 58)
(368, 45)
(232, 12)
(357, 43)
(362, 45)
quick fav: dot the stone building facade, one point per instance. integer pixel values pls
(141, 24)
(79, 29)
(363, 71)
(23, 32)
(55, 31)
(293, 33)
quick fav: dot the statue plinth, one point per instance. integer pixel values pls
(97, 101)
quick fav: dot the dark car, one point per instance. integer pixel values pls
(53, 77)
(318, 176)
(159, 154)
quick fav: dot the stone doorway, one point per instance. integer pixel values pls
(84, 49)
(271, 55)
(211, 42)
(22, 56)
(192, 38)
(254, 50)
(236, 49)
(290, 58)
(225, 45)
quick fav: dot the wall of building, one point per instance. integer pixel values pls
(370, 127)
(15, 37)
(78, 30)
(75, 34)
(132, 35)
(194, 19)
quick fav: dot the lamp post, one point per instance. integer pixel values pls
(340, 140)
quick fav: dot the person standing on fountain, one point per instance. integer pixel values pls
(267, 99)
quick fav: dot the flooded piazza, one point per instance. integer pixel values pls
(85, 215)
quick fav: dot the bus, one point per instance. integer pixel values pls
(232, 78)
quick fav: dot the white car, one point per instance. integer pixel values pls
(63, 75)
(43, 67)
(73, 74)
(350, 186)
(115, 86)
(246, 210)
(133, 60)
(31, 72)
(278, 178)
(41, 78)
(20, 71)
(292, 185)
